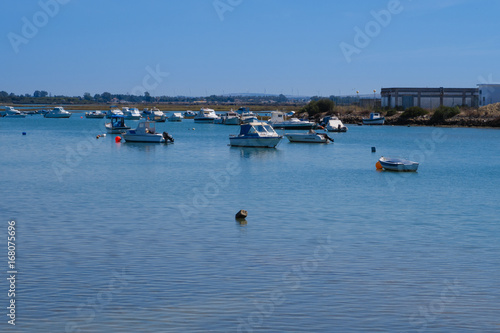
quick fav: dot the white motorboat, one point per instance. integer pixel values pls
(278, 120)
(310, 137)
(57, 112)
(334, 124)
(95, 114)
(176, 116)
(146, 132)
(189, 114)
(256, 134)
(155, 115)
(246, 116)
(117, 125)
(131, 113)
(232, 118)
(396, 164)
(113, 112)
(375, 119)
(10, 112)
(205, 116)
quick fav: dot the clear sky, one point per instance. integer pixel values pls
(298, 47)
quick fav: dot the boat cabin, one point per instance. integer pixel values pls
(257, 129)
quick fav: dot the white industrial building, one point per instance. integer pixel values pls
(489, 93)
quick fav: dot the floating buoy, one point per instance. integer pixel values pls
(81, 117)
(241, 215)
(103, 135)
(98, 136)
(24, 133)
(378, 165)
(374, 150)
(118, 139)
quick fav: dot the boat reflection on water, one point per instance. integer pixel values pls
(260, 153)
(143, 146)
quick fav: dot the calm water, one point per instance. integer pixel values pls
(142, 237)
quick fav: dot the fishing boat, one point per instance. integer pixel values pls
(10, 112)
(256, 134)
(309, 137)
(396, 164)
(95, 114)
(278, 120)
(375, 119)
(146, 132)
(57, 112)
(205, 116)
(176, 116)
(334, 124)
(117, 125)
(131, 113)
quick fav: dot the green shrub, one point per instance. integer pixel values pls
(320, 106)
(444, 112)
(391, 113)
(413, 112)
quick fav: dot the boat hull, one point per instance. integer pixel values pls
(49, 115)
(254, 142)
(133, 117)
(307, 138)
(95, 116)
(293, 126)
(232, 121)
(204, 120)
(154, 138)
(398, 165)
(379, 121)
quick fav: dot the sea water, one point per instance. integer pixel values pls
(133, 237)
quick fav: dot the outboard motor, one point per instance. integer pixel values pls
(168, 137)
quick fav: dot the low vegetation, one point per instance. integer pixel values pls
(444, 112)
(413, 112)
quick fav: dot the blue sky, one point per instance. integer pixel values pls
(272, 46)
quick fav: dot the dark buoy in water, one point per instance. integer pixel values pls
(24, 133)
(374, 150)
(241, 215)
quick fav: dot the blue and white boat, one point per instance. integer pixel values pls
(375, 119)
(131, 113)
(256, 134)
(117, 125)
(57, 112)
(146, 132)
(396, 164)
(10, 112)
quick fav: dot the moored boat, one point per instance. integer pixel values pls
(396, 164)
(176, 116)
(10, 112)
(205, 115)
(57, 112)
(309, 137)
(117, 125)
(334, 124)
(278, 120)
(375, 119)
(131, 113)
(256, 134)
(95, 114)
(154, 115)
(146, 132)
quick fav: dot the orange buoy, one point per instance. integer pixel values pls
(118, 139)
(378, 165)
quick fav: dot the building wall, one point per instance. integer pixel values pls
(429, 98)
(489, 94)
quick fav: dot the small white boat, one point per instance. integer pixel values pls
(205, 116)
(310, 137)
(278, 120)
(10, 112)
(176, 116)
(246, 116)
(113, 112)
(131, 113)
(232, 118)
(146, 132)
(117, 125)
(95, 114)
(155, 115)
(189, 114)
(256, 134)
(334, 124)
(57, 112)
(396, 164)
(375, 119)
